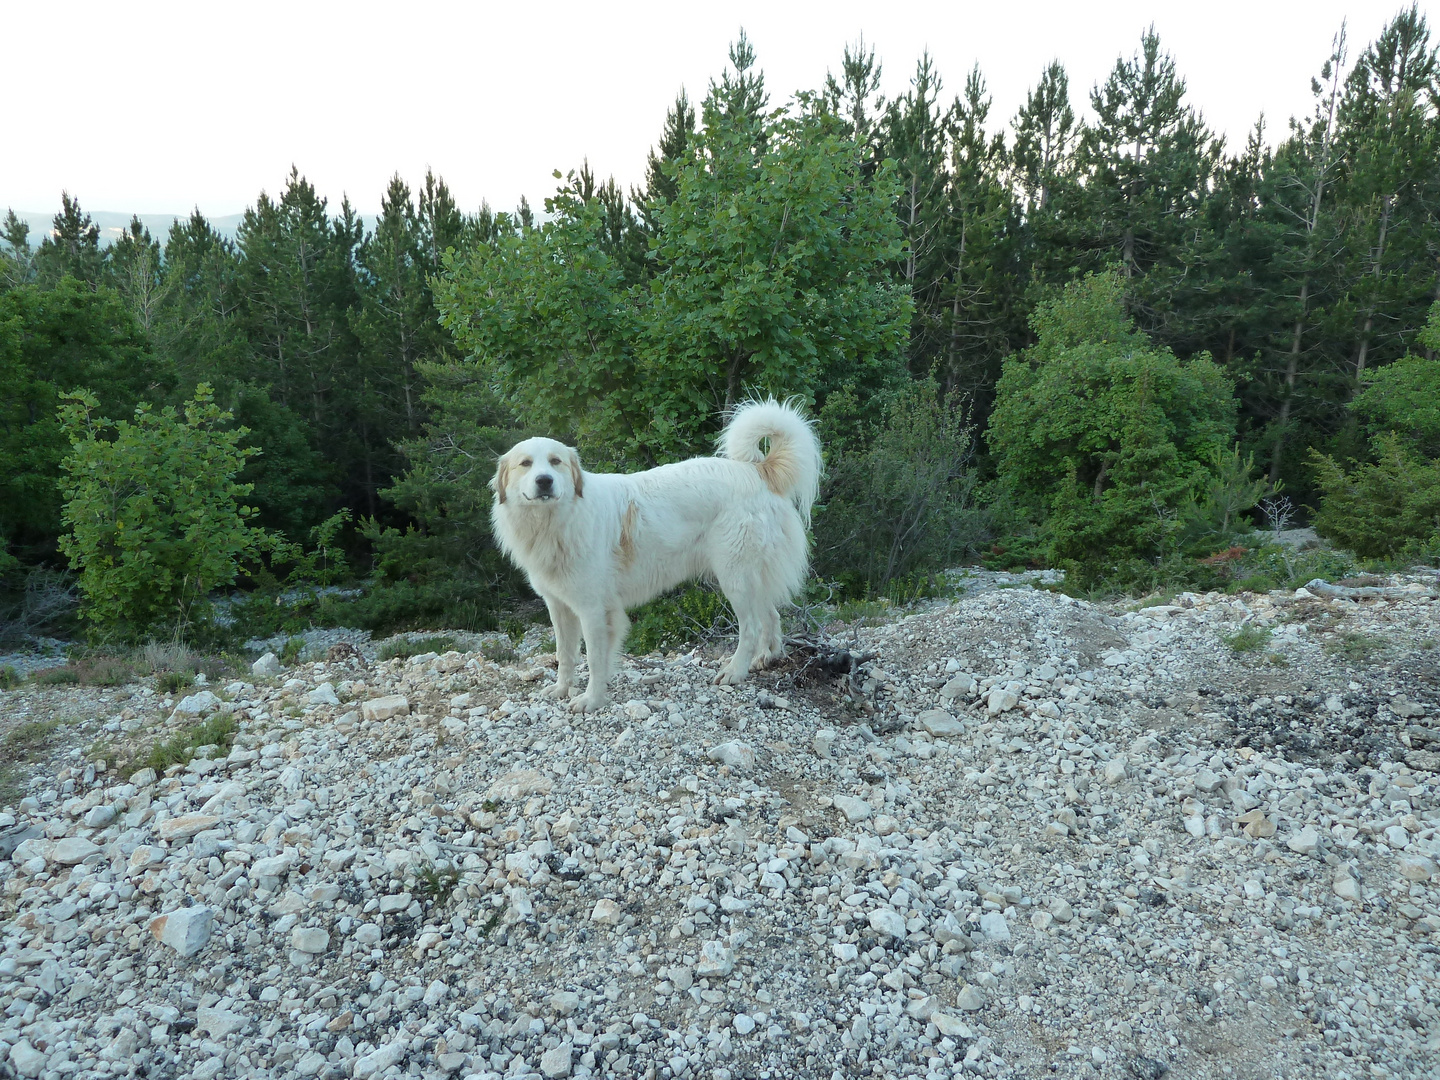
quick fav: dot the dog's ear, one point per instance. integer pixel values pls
(501, 480)
(577, 478)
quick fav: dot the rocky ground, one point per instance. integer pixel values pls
(1030, 836)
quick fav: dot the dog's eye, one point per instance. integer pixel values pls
(526, 463)
(555, 461)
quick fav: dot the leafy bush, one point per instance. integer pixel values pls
(1382, 508)
(56, 676)
(899, 496)
(1102, 438)
(678, 618)
(9, 677)
(154, 514)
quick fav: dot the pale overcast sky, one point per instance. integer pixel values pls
(156, 107)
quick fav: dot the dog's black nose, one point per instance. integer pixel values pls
(544, 482)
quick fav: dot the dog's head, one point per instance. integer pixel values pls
(538, 472)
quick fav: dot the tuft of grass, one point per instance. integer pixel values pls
(404, 648)
(436, 884)
(180, 748)
(28, 741)
(1358, 648)
(498, 652)
(9, 678)
(56, 676)
(104, 669)
(1247, 639)
(291, 650)
(172, 682)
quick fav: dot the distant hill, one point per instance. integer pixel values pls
(112, 224)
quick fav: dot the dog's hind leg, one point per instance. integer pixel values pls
(772, 645)
(567, 647)
(600, 650)
(750, 614)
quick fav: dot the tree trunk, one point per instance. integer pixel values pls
(1292, 367)
(1360, 358)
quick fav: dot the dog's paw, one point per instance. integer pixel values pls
(556, 690)
(588, 702)
(729, 676)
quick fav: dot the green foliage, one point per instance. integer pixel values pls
(291, 650)
(1356, 647)
(435, 885)
(1102, 436)
(218, 732)
(677, 619)
(154, 513)
(56, 676)
(899, 495)
(498, 653)
(767, 274)
(1382, 508)
(9, 677)
(402, 648)
(1247, 639)
(52, 341)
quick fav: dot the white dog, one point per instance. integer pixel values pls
(594, 544)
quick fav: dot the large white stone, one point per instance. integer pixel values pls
(198, 704)
(377, 1061)
(717, 961)
(888, 921)
(324, 694)
(383, 708)
(556, 1061)
(28, 1061)
(736, 754)
(73, 850)
(218, 1023)
(853, 807)
(309, 939)
(940, 723)
(186, 929)
(994, 926)
(606, 912)
(269, 664)
(1000, 700)
(960, 686)
(186, 826)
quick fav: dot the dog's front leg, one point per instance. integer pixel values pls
(599, 654)
(567, 648)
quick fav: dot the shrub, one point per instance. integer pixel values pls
(56, 676)
(679, 618)
(9, 677)
(898, 500)
(1383, 508)
(1102, 438)
(154, 514)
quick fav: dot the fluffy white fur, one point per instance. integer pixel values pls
(594, 544)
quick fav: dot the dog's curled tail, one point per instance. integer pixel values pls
(792, 466)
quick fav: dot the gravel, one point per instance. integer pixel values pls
(1120, 849)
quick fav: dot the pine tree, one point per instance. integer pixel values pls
(73, 246)
(132, 268)
(1045, 133)
(18, 265)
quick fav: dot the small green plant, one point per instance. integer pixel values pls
(436, 884)
(171, 682)
(56, 676)
(489, 806)
(1247, 639)
(291, 650)
(403, 648)
(9, 678)
(104, 669)
(498, 653)
(180, 748)
(1356, 647)
(514, 629)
